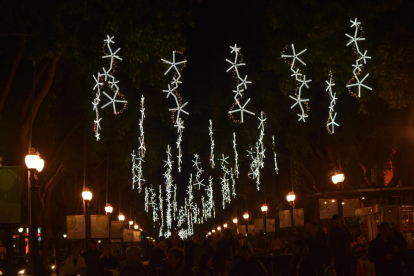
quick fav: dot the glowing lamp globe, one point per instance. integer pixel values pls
(225, 225)
(209, 233)
(218, 228)
(264, 208)
(20, 230)
(87, 195)
(121, 217)
(235, 220)
(32, 161)
(291, 197)
(246, 216)
(136, 226)
(131, 222)
(108, 208)
(213, 231)
(40, 165)
(338, 177)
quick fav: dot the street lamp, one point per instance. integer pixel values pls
(235, 220)
(338, 177)
(87, 196)
(35, 164)
(264, 210)
(136, 226)
(246, 217)
(121, 217)
(225, 225)
(218, 228)
(108, 208)
(131, 222)
(291, 199)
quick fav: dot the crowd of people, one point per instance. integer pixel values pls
(321, 253)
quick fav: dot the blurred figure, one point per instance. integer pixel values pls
(158, 253)
(75, 263)
(133, 265)
(108, 264)
(194, 253)
(174, 241)
(315, 244)
(246, 265)
(364, 266)
(205, 267)
(300, 264)
(276, 245)
(175, 263)
(91, 257)
(260, 245)
(339, 241)
(385, 252)
(227, 250)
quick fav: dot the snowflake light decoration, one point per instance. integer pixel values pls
(302, 82)
(330, 125)
(173, 91)
(138, 156)
(107, 78)
(198, 181)
(225, 187)
(241, 83)
(361, 60)
(210, 129)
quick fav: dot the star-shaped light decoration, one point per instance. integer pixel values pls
(242, 109)
(295, 56)
(112, 101)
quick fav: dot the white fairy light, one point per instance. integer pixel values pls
(175, 202)
(274, 154)
(225, 188)
(210, 201)
(210, 128)
(302, 82)
(257, 157)
(161, 208)
(176, 111)
(137, 173)
(168, 189)
(107, 78)
(146, 199)
(360, 61)
(330, 125)
(241, 82)
(233, 183)
(198, 181)
(236, 157)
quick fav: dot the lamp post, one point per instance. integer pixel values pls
(264, 210)
(87, 196)
(35, 164)
(246, 217)
(291, 199)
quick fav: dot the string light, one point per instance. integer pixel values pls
(210, 128)
(137, 173)
(361, 59)
(257, 158)
(299, 101)
(274, 154)
(161, 203)
(109, 79)
(173, 91)
(241, 82)
(168, 188)
(225, 189)
(330, 125)
(236, 157)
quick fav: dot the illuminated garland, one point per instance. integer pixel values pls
(161, 204)
(168, 188)
(330, 125)
(257, 157)
(173, 91)
(241, 82)
(198, 181)
(110, 80)
(225, 188)
(236, 157)
(299, 101)
(274, 154)
(361, 59)
(210, 128)
(137, 172)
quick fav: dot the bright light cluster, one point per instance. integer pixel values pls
(168, 189)
(361, 59)
(198, 181)
(210, 129)
(106, 77)
(258, 156)
(302, 82)
(161, 206)
(225, 187)
(330, 125)
(138, 157)
(176, 111)
(274, 154)
(209, 204)
(241, 85)
(236, 157)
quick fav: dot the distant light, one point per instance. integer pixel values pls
(235, 220)
(264, 208)
(218, 228)
(86, 195)
(290, 197)
(99, 241)
(209, 233)
(65, 236)
(333, 200)
(131, 222)
(23, 271)
(108, 208)
(363, 198)
(213, 231)
(136, 226)
(325, 202)
(338, 177)
(225, 225)
(20, 230)
(343, 203)
(246, 215)
(121, 217)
